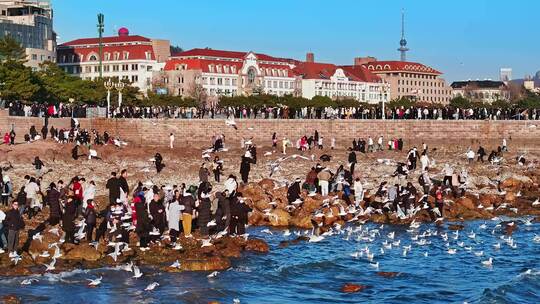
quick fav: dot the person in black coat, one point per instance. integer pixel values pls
(245, 167)
(143, 226)
(90, 217)
(122, 181)
(113, 185)
(481, 153)
(223, 212)
(158, 160)
(352, 160)
(13, 223)
(293, 193)
(53, 200)
(239, 216)
(157, 210)
(75, 152)
(68, 219)
(44, 132)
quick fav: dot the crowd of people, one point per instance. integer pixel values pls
(158, 212)
(281, 112)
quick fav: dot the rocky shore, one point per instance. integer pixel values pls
(519, 187)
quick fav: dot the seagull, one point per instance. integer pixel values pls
(231, 123)
(50, 267)
(287, 233)
(267, 231)
(94, 282)
(38, 236)
(236, 301)
(479, 253)
(213, 275)
(28, 281)
(206, 243)
(488, 263)
(55, 231)
(128, 267)
(374, 265)
(536, 202)
(426, 254)
(137, 273)
(176, 264)
(151, 286)
(497, 246)
(451, 251)
(211, 223)
(536, 238)
(315, 238)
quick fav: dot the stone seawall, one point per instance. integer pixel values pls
(198, 132)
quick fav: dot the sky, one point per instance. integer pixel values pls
(464, 39)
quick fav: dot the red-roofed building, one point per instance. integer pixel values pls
(231, 73)
(133, 58)
(409, 79)
(340, 82)
(228, 73)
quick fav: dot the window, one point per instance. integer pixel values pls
(116, 56)
(134, 67)
(106, 68)
(220, 81)
(234, 83)
(34, 56)
(116, 68)
(96, 69)
(126, 55)
(107, 56)
(88, 69)
(211, 68)
(181, 79)
(148, 55)
(134, 78)
(251, 74)
(125, 67)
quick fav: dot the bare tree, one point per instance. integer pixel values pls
(197, 92)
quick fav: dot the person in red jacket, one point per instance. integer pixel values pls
(6, 138)
(77, 194)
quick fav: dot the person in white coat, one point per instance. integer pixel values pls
(174, 213)
(171, 141)
(89, 193)
(424, 161)
(358, 191)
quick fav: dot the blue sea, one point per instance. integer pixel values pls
(315, 272)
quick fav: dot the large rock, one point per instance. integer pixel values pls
(311, 204)
(352, 288)
(267, 184)
(210, 264)
(466, 202)
(81, 252)
(257, 245)
(510, 197)
(256, 218)
(280, 218)
(301, 220)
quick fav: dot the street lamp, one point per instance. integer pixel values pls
(71, 100)
(109, 85)
(385, 90)
(119, 87)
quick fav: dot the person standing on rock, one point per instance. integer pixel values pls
(124, 187)
(53, 200)
(504, 145)
(352, 160)
(68, 219)
(171, 141)
(203, 173)
(13, 223)
(204, 212)
(44, 132)
(187, 214)
(143, 226)
(470, 156)
(239, 216)
(38, 165)
(217, 168)
(6, 191)
(358, 191)
(324, 177)
(90, 217)
(158, 161)
(424, 161)
(245, 166)
(157, 211)
(12, 137)
(173, 218)
(113, 185)
(231, 185)
(293, 192)
(223, 212)
(439, 201)
(481, 153)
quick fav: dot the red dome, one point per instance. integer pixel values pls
(122, 32)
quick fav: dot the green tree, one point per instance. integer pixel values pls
(460, 102)
(11, 50)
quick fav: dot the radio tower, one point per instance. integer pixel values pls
(403, 43)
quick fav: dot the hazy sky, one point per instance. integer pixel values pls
(462, 38)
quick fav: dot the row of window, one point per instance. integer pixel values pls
(95, 57)
(422, 91)
(420, 83)
(430, 98)
(279, 84)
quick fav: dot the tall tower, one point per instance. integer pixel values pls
(403, 43)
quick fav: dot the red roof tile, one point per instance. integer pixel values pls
(136, 52)
(113, 39)
(397, 66)
(226, 54)
(316, 70)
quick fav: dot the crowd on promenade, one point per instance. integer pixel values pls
(375, 112)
